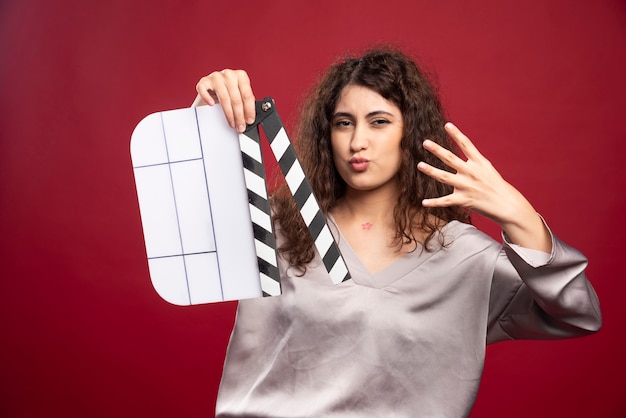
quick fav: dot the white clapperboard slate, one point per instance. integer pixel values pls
(204, 209)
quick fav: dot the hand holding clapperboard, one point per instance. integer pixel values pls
(204, 205)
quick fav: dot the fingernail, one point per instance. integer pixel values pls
(241, 128)
(250, 121)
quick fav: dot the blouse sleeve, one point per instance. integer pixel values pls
(535, 295)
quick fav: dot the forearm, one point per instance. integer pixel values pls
(524, 227)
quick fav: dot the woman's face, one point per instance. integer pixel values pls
(366, 130)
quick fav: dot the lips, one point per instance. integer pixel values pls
(359, 164)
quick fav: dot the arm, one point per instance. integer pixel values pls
(535, 295)
(550, 298)
(230, 88)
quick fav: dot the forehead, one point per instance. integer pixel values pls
(356, 99)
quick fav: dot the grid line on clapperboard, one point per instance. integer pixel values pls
(206, 182)
(180, 236)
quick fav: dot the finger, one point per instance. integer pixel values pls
(205, 91)
(446, 156)
(218, 85)
(234, 100)
(464, 143)
(438, 202)
(242, 100)
(441, 176)
(247, 96)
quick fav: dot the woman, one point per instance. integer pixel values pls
(406, 335)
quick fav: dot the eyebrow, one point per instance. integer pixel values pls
(369, 115)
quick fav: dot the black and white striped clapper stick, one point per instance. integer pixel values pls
(254, 175)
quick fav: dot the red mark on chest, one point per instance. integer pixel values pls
(366, 226)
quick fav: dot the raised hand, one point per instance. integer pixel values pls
(480, 187)
(232, 89)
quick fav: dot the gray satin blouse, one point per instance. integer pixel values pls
(408, 341)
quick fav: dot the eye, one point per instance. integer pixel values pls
(342, 123)
(380, 122)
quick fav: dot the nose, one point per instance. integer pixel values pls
(359, 140)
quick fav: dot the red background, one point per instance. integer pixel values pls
(539, 86)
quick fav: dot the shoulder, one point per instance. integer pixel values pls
(462, 236)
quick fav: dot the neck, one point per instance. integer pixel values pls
(371, 206)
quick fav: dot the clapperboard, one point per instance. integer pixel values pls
(204, 206)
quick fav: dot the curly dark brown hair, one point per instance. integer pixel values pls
(395, 76)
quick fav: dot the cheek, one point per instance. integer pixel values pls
(396, 155)
(397, 164)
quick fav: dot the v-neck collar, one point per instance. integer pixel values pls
(396, 270)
